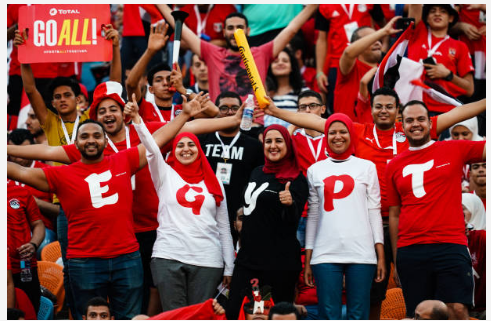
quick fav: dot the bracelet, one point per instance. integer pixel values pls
(319, 73)
(449, 77)
(35, 246)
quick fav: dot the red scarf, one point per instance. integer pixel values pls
(287, 168)
(198, 170)
(340, 117)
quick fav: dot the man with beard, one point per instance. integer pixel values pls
(232, 155)
(107, 108)
(226, 69)
(33, 125)
(427, 228)
(96, 193)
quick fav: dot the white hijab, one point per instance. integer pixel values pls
(470, 124)
(475, 206)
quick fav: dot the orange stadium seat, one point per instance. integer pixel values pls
(393, 307)
(51, 252)
(51, 277)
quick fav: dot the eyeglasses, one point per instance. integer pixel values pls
(312, 106)
(225, 109)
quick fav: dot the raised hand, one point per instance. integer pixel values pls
(286, 196)
(20, 38)
(111, 34)
(176, 79)
(389, 28)
(158, 38)
(196, 105)
(131, 109)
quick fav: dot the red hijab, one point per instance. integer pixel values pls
(342, 118)
(287, 168)
(198, 170)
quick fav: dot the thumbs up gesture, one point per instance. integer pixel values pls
(286, 196)
(131, 110)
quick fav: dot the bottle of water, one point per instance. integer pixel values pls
(247, 114)
(25, 271)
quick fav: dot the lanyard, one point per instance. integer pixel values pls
(201, 25)
(311, 146)
(226, 149)
(74, 131)
(128, 146)
(394, 142)
(432, 50)
(162, 120)
(350, 12)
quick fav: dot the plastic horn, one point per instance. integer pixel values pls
(250, 65)
(179, 17)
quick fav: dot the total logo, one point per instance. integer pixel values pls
(54, 11)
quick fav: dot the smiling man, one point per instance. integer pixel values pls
(425, 215)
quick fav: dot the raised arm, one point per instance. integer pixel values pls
(415, 11)
(210, 125)
(34, 177)
(351, 53)
(176, 81)
(459, 114)
(35, 98)
(284, 37)
(301, 120)
(320, 58)
(39, 152)
(156, 42)
(187, 35)
(115, 70)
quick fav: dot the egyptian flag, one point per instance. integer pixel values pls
(200, 311)
(19, 121)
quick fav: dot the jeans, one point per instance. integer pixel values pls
(329, 281)
(120, 279)
(302, 224)
(61, 231)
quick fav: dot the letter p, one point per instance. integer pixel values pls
(336, 187)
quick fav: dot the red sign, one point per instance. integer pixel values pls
(64, 33)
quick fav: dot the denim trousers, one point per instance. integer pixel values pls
(120, 279)
(329, 281)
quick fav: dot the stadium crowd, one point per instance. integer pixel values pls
(363, 177)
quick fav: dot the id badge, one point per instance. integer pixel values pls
(224, 172)
(350, 28)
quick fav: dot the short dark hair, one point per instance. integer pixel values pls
(90, 121)
(310, 93)
(64, 81)
(97, 302)
(385, 91)
(439, 314)
(283, 308)
(238, 15)
(415, 102)
(355, 36)
(298, 43)
(228, 94)
(19, 135)
(155, 69)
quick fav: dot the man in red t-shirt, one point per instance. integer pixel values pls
(161, 80)
(452, 67)
(24, 218)
(426, 223)
(364, 53)
(226, 70)
(102, 248)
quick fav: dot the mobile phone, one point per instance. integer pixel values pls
(403, 23)
(430, 61)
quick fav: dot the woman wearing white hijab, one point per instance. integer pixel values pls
(474, 208)
(465, 130)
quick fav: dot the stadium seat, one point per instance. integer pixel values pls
(393, 307)
(51, 252)
(46, 309)
(51, 277)
(49, 237)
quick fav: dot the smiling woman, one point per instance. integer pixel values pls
(273, 202)
(344, 204)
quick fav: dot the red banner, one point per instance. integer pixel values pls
(64, 33)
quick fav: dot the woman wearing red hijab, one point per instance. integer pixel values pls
(273, 203)
(344, 227)
(193, 251)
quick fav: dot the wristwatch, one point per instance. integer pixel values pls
(449, 77)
